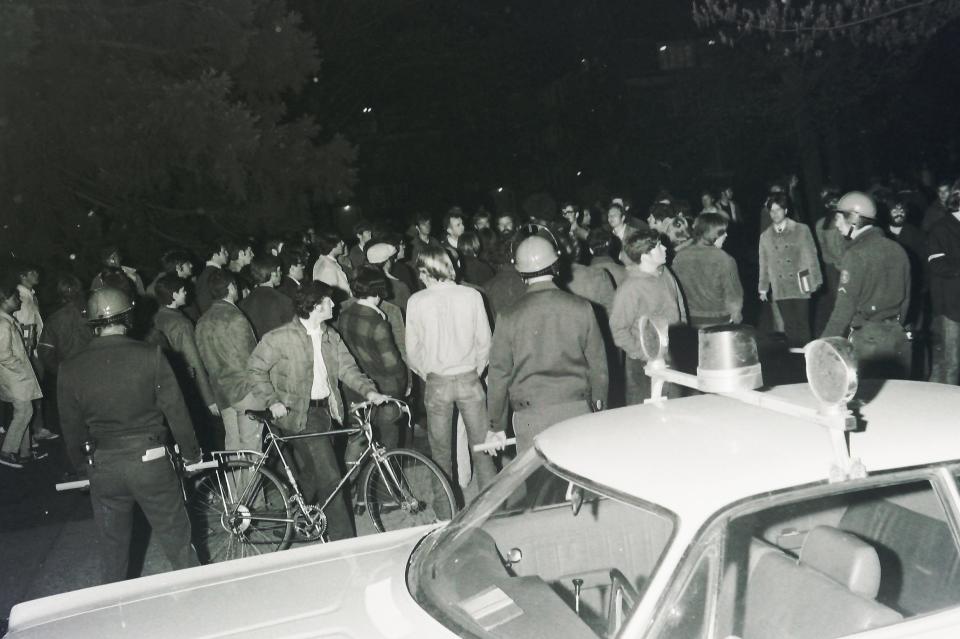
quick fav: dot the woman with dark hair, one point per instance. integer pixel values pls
(474, 270)
(790, 266)
(708, 276)
(296, 371)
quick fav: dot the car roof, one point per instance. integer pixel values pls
(698, 454)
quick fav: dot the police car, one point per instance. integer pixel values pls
(805, 511)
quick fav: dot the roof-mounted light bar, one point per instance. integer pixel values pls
(728, 365)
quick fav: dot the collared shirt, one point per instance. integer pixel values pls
(447, 331)
(366, 302)
(320, 388)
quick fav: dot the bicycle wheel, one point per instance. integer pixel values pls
(224, 529)
(406, 489)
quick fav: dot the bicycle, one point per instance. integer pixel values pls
(243, 508)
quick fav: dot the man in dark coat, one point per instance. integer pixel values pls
(265, 306)
(874, 293)
(117, 393)
(547, 359)
(225, 339)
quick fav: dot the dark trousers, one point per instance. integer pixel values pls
(796, 320)
(945, 367)
(118, 480)
(318, 473)
(882, 350)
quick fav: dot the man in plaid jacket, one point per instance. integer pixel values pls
(369, 337)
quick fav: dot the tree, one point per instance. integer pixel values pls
(832, 57)
(159, 120)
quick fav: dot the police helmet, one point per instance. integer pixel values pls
(534, 255)
(859, 203)
(107, 305)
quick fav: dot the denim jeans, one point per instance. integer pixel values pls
(18, 437)
(318, 473)
(464, 392)
(945, 367)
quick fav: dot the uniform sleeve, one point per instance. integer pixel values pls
(170, 401)
(907, 283)
(481, 336)
(499, 374)
(72, 426)
(848, 291)
(596, 356)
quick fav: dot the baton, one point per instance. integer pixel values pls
(85, 483)
(482, 448)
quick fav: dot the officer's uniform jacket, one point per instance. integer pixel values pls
(874, 283)
(547, 348)
(120, 389)
(280, 369)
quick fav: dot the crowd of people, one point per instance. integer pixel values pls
(500, 324)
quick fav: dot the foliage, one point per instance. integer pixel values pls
(158, 117)
(804, 27)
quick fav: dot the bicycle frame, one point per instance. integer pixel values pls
(273, 440)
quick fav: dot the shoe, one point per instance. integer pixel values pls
(45, 434)
(11, 460)
(39, 453)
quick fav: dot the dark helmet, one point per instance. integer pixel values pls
(106, 305)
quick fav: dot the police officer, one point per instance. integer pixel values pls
(547, 357)
(114, 397)
(874, 291)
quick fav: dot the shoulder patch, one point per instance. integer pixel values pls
(844, 276)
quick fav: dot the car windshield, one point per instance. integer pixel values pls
(541, 553)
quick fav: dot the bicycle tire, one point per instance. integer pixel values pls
(426, 494)
(220, 534)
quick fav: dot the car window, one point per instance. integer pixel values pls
(686, 617)
(836, 565)
(536, 555)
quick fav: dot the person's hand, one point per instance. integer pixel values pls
(376, 398)
(495, 437)
(214, 410)
(278, 410)
(763, 296)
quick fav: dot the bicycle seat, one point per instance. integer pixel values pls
(260, 415)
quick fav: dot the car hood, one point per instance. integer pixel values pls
(354, 588)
